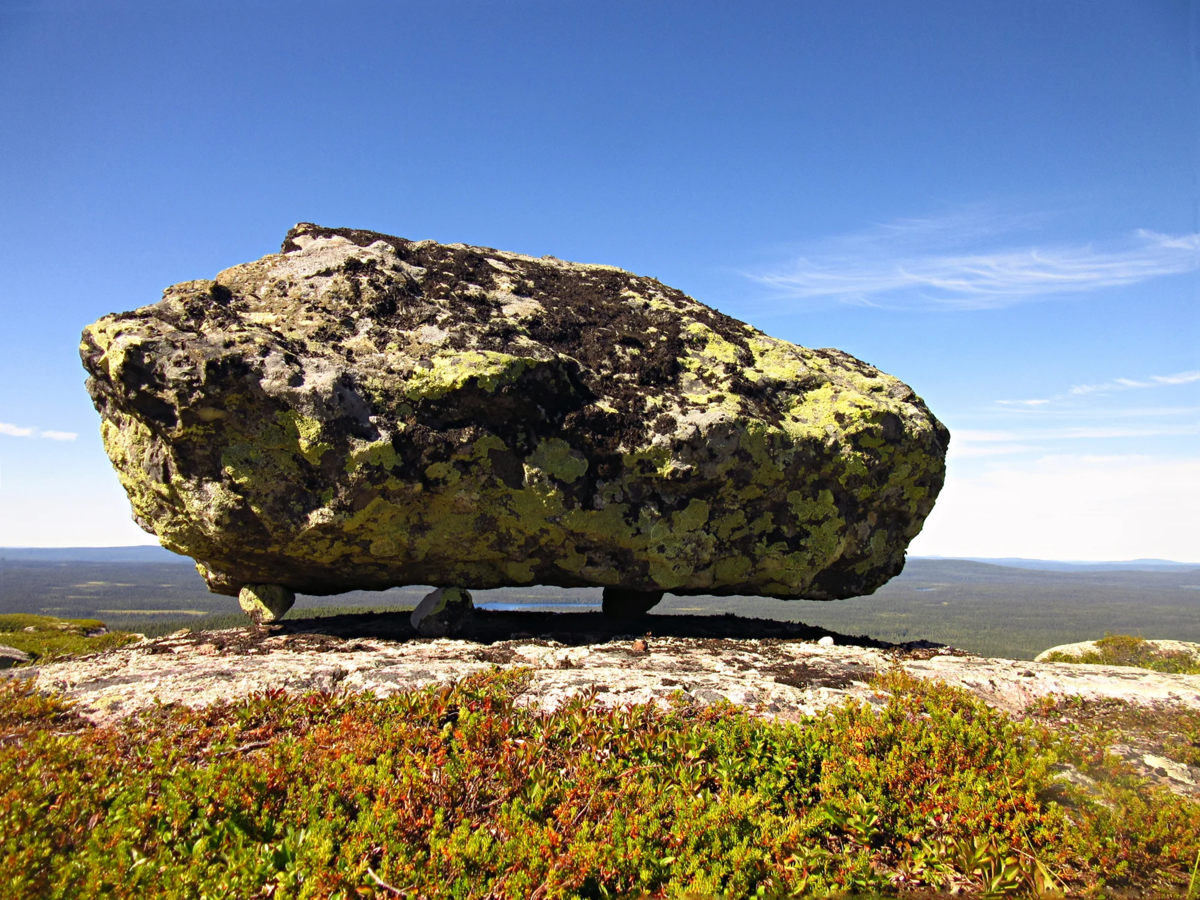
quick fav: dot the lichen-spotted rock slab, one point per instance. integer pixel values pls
(781, 677)
(1080, 649)
(362, 411)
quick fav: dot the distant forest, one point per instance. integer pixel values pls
(984, 608)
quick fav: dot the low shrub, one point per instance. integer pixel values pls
(463, 793)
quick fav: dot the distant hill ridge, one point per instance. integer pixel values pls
(148, 553)
(1052, 565)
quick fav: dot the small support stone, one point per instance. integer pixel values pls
(265, 603)
(443, 613)
(621, 603)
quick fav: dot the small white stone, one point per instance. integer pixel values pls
(826, 641)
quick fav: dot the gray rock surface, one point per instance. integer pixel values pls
(778, 678)
(362, 411)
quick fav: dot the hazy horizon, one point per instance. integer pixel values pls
(999, 560)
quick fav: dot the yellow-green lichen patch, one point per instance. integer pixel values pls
(819, 517)
(731, 526)
(828, 411)
(307, 433)
(375, 453)
(778, 361)
(256, 461)
(731, 569)
(451, 372)
(692, 518)
(557, 459)
(131, 447)
(571, 560)
(760, 441)
(712, 345)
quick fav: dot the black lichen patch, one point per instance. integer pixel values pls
(803, 675)
(585, 317)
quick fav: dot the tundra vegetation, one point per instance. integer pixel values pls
(48, 637)
(462, 792)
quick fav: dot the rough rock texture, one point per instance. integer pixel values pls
(780, 677)
(265, 603)
(361, 411)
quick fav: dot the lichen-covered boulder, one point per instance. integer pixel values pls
(361, 411)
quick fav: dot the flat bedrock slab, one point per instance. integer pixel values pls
(777, 678)
(362, 411)
(1083, 648)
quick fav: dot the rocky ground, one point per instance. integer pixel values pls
(778, 670)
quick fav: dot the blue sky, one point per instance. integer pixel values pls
(996, 202)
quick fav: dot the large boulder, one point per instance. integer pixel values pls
(361, 411)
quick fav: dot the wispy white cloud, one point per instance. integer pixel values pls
(969, 443)
(1119, 432)
(1181, 378)
(958, 262)
(968, 434)
(24, 432)
(1117, 384)
(1090, 432)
